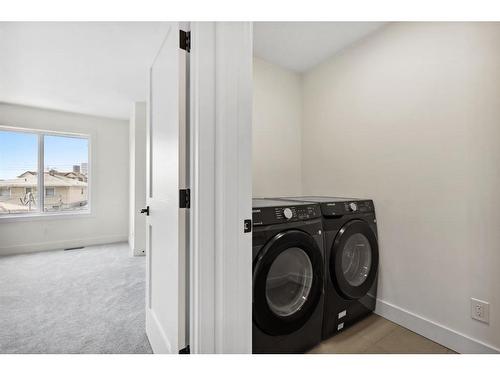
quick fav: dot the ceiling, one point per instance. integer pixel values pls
(299, 46)
(96, 68)
(100, 68)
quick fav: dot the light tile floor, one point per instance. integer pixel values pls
(376, 335)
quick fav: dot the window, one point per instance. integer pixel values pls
(4, 192)
(18, 171)
(50, 192)
(64, 179)
(64, 182)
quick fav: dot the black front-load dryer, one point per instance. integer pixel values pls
(288, 276)
(351, 260)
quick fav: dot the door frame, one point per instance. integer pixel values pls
(221, 187)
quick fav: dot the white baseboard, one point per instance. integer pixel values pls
(139, 253)
(433, 331)
(59, 245)
(135, 252)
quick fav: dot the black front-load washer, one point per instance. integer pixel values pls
(288, 276)
(351, 260)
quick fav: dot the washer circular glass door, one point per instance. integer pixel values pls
(354, 259)
(289, 282)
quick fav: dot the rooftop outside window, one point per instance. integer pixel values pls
(65, 181)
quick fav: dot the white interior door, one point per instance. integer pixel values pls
(166, 307)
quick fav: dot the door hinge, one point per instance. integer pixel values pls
(185, 198)
(247, 226)
(185, 40)
(186, 350)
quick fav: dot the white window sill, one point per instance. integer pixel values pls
(45, 216)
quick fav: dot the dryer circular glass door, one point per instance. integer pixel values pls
(354, 259)
(287, 282)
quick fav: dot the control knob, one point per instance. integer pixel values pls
(288, 213)
(353, 206)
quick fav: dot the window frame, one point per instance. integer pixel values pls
(40, 213)
(53, 189)
(8, 195)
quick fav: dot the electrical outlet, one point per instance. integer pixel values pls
(480, 310)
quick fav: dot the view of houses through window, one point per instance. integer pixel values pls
(65, 173)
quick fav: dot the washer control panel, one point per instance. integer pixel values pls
(346, 207)
(277, 215)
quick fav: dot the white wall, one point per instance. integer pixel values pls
(137, 179)
(276, 130)
(109, 185)
(410, 117)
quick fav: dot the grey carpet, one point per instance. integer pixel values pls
(78, 301)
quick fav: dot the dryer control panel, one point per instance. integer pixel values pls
(284, 214)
